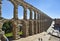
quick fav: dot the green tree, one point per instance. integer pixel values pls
(7, 27)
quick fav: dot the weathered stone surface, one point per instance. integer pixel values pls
(31, 28)
(15, 11)
(25, 28)
(30, 14)
(25, 13)
(15, 29)
(35, 27)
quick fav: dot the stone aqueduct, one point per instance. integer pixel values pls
(40, 23)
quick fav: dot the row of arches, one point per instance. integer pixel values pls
(7, 11)
(37, 19)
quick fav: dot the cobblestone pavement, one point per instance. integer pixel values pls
(52, 38)
(39, 37)
(48, 38)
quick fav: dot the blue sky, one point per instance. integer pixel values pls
(49, 7)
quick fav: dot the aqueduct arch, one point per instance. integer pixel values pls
(40, 23)
(5, 8)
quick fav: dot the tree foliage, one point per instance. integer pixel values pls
(7, 27)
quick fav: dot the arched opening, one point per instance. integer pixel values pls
(32, 14)
(7, 9)
(36, 16)
(20, 26)
(7, 28)
(20, 12)
(28, 14)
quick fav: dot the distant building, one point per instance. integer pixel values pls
(57, 21)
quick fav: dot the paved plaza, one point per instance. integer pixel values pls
(37, 37)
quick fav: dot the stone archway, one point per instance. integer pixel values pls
(7, 28)
(5, 8)
(2, 21)
(20, 32)
(14, 28)
(20, 26)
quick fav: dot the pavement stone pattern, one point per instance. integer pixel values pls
(37, 37)
(54, 38)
